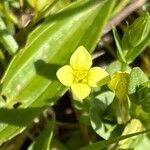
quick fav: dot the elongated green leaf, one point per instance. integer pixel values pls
(136, 44)
(118, 44)
(7, 39)
(120, 5)
(105, 143)
(140, 28)
(136, 51)
(40, 4)
(42, 142)
(31, 77)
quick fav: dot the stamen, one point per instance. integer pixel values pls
(79, 76)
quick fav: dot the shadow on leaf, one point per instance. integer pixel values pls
(46, 70)
(19, 116)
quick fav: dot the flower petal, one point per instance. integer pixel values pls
(96, 76)
(81, 90)
(81, 59)
(65, 76)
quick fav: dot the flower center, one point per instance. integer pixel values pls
(79, 76)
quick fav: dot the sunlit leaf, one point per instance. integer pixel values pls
(105, 143)
(7, 39)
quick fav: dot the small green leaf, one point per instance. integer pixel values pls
(133, 126)
(7, 39)
(118, 44)
(136, 51)
(137, 111)
(98, 106)
(139, 30)
(117, 66)
(142, 97)
(136, 37)
(137, 78)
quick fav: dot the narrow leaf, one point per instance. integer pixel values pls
(118, 44)
(105, 143)
(7, 39)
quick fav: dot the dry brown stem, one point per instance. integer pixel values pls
(134, 5)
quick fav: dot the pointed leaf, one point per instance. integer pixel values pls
(105, 143)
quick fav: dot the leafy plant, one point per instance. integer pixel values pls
(109, 106)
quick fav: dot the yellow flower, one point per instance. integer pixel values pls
(79, 75)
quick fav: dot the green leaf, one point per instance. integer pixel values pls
(136, 44)
(140, 28)
(59, 5)
(7, 39)
(97, 117)
(105, 143)
(137, 78)
(43, 141)
(30, 79)
(120, 5)
(40, 4)
(137, 111)
(117, 66)
(136, 51)
(118, 44)
(142, 97)
(133, 126)
(143, 144)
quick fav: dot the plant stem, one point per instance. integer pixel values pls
(83, 128)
